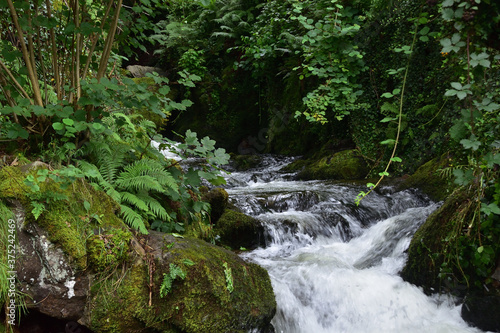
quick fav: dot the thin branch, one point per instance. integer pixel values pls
(55, 66)
(31, 70)
(109, 42)
(14, 81)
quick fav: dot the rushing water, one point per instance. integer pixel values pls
(334, 266)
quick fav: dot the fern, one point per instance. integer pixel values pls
(133, 219)
(132, 185)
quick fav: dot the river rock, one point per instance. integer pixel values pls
(186, 285)
(344, 165)
(429, 242)
(238, 230)
(428, 179)
(218, 200)
(482, 312)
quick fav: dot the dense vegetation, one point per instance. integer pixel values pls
(400, 81)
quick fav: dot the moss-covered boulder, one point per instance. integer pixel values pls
(238, 230)
(77, 261)
(430, 179)
(346, 164)
(245, 162)
(218, 200)
(186, 285)
(435, 238)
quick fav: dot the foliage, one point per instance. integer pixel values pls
(7, 265)
(475, 91)
(229, 277)
(174, 273)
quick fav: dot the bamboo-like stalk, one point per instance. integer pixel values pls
(109, 42)
(55, 65)
(95, 39)
(31, 70)
(78, 51)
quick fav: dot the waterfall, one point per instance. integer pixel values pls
(333, 265)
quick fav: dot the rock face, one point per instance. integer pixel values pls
(46, 274)
(427, 179)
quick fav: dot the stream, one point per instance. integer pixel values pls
(334, 266)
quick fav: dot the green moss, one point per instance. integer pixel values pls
(428, 179)
(12, 183)
(434, 240)
(108, 250)
(65, 219)
(245, 162)
(345, 165)
(238, 230)
(199, 303)
(218, 200)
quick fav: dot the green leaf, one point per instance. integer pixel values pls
(491, 208)
(396, 159)
(58, 126)
(387, 95)
(471, 143)
(387, 119)
(388, 142)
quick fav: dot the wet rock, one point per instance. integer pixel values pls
(482, 312)
(345, 165)
(218, 200)
(45, 273)
(428, 180)
(237, 230)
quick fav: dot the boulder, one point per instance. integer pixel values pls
(343, 165)
(238, 230)
(141, 71)
(218, 200)
(185, 285)
(482, 312)
(430, 180)
(430, 242)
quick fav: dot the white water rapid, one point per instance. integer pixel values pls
(334, 266)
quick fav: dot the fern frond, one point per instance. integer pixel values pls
(133, 219)
(154, 206)
(133, 200)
